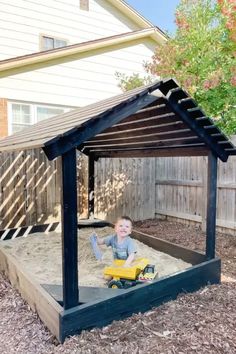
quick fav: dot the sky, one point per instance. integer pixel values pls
(160, 12)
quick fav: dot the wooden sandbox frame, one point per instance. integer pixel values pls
(118, 304)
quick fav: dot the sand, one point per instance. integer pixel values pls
(40, 255)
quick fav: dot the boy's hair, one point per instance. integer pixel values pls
(124, 217)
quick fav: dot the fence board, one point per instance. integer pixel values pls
(125, 186)
(30, 188)
(181, 190)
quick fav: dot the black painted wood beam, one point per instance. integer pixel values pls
(231, 151)
(90, 186)
(211, 206)
(146, 143)
(141, 139)
(138, 299)
(175, 104)
(153, 152)
(69, 230)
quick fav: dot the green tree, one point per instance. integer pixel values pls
(127, 83)
(202, 57)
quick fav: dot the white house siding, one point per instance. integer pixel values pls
(22, 22)
(72, 84)
(80, 82)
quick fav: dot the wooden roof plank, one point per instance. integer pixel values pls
(148, 132)
(95, 127)
(163, 129)
(174, 146)
(157, 110)
(55, 126)
(140, 141)
(164, 124)
(160, 120)
(23, 146)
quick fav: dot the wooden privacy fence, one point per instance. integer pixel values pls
(30, 188)
(125, 187)
(181, 191)
(173, 187)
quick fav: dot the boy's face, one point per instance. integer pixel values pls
(123, 228)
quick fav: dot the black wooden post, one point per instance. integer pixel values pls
(69, 230)
(211, 206)
(91, 186)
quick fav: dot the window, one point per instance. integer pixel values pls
(84, 5)
(21, 115)
(47, 43)
(47, 112)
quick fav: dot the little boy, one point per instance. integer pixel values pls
(123, 247)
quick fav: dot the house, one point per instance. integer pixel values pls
(85, 42)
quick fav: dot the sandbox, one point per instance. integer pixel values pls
(40, 255)
(34, 266)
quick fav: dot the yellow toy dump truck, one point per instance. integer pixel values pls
(124, 277)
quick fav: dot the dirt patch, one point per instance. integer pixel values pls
(202, 322)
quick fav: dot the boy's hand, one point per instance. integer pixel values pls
(129, 260)
(125, 265)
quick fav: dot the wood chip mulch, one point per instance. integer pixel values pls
(202, 322)
(193, 238)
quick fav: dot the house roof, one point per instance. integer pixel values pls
(160, 119)
(131, 13)
(77, 51)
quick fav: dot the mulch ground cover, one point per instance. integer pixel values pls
(202, 322)
(193, 238)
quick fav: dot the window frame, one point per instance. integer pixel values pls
(84, 5)
(33, 112)
(55, 38)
